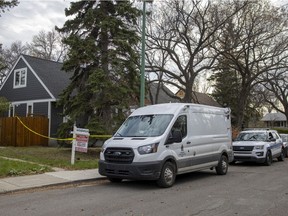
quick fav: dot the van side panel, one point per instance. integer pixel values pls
(208, 136)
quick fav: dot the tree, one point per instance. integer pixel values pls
(9, 56)
(48, 45)
(251, 44)
(102, 61)
(3, 6)
(226, 88)
(275, 89)
(179, 40)
(7, 4)
(4, 105)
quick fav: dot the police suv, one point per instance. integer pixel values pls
(258, 145)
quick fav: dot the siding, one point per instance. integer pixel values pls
(40, 109)
(56, 118)
(33, 88)
(20, 109)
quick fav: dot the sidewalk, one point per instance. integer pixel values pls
(12, 184)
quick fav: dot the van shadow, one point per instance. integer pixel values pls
(152, 185)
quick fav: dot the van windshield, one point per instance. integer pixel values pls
(144, 126)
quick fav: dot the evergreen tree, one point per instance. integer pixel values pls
(6, 4)
(103, 59)
(226, 89)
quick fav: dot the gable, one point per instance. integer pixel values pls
(44, 80)
(32, 90)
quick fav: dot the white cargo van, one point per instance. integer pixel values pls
(160, 141)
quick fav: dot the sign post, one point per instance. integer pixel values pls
(80, 141)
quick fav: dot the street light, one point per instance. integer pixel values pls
(142, 69)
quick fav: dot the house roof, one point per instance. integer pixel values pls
(200, 98)
(50, 74)
(274, 117)
(162, 96)
(205, 99)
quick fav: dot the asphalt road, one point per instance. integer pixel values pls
(247, 189)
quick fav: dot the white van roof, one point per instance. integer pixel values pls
(172, 108)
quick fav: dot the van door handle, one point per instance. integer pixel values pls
(188, 142)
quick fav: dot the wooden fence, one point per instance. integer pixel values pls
(13, 133)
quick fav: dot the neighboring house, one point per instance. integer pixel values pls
(275, 120)
(157, 94)
(163, 97)
(200, 98)
(33, 87)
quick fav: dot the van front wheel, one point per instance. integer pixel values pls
(222, 167)
(167, 176)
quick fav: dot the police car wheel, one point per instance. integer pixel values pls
(269, 159)
(282, 156)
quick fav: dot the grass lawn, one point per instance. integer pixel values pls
(16, 168)
(48, 156)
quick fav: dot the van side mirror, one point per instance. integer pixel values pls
(176, 137)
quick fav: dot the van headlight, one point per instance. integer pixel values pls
(258, 147)
(147, 149)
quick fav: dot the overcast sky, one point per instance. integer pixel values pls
(27, 19)
(22, 22)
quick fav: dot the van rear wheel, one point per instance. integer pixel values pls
(222, 167)
(167, 176)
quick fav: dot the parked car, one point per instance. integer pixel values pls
(161, 141)
(258, 145)
(285, 143)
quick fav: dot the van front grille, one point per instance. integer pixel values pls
(119, 155)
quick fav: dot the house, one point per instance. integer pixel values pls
(33, 87)
(275, 120)
(200, 98)
(164, 92)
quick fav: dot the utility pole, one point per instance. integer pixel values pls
(142, 78)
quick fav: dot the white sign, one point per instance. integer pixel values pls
(81, 143)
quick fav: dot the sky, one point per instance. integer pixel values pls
(26, 20)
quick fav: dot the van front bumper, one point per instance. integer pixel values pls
(139, 170)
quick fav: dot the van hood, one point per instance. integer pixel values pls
(130, 142)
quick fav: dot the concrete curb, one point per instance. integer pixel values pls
(49, 179)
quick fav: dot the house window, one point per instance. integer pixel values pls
(20, 78)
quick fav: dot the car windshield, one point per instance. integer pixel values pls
(255, 136)
(144, 126)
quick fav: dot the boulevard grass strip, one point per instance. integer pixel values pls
(54, 157)
(9, 168)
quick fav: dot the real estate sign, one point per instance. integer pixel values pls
(81, 143)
